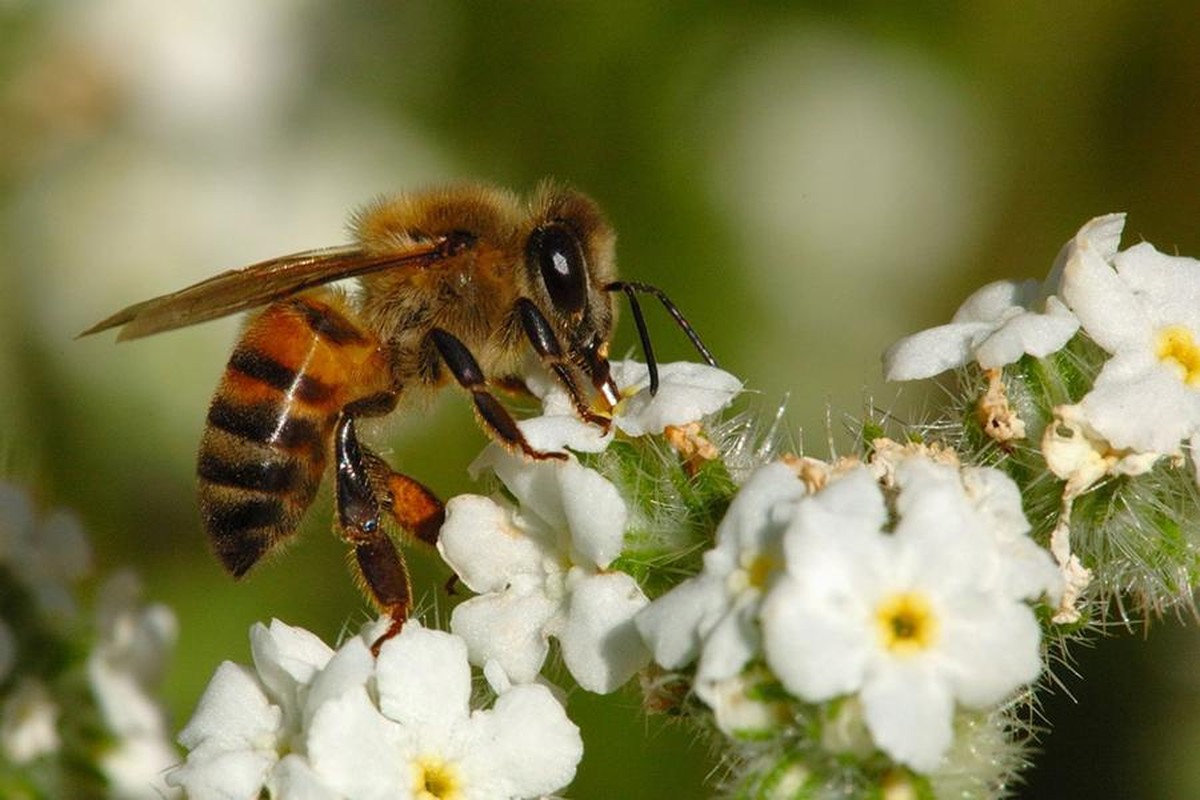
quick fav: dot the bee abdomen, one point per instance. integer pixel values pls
(253, 492)
(270, 425)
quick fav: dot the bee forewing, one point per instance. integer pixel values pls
(258, 284)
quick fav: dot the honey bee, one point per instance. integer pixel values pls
(458, 283)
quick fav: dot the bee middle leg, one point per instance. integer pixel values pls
(366, 487)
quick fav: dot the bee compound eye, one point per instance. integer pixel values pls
(555, 250)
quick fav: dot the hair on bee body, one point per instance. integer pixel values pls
(457, 285)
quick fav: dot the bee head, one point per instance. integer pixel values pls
(570, 259)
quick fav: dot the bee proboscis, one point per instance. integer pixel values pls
(455, 284)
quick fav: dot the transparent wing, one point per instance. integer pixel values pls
(258, 284)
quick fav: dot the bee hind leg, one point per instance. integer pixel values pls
(366, 487)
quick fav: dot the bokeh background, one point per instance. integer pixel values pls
(809, 181)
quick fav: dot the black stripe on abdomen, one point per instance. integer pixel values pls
(265, 476)
(261, 367)
(266, 423)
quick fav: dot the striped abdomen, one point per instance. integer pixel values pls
(270, 425)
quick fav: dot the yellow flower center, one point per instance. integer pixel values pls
(1177, 347)
(760, 570)
(907, 623)
(753, 573)
(436, 779)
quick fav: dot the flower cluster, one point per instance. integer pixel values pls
(894, 595)
(896, 588)
(874, 624)
(78, 714)
(309, 721)
(1099, 367)
(541, 562)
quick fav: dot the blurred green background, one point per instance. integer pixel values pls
(809, 181)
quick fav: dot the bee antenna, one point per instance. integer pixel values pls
(631, 288)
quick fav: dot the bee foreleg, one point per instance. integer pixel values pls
(545, 344)
(469, 375)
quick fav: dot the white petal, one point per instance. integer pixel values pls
(525, 745)
(596, 514)
(351, 667)
(352, 750)
(675, 624)
(535, 484)
(423, 678)
(1103, 234)
(213, 773)
(998, 497)
(507, 628)
(990, 647)
(1105, 304)
(933, 351)
(995, 302)
(816, 645)
(127, 708)
(600, 644)
(483, 545)
(287, 657)
(761, 508)
(687, 392)
(910, 716)
(551, 433)
(1169, 286)
(1035, 334)
(849, 507)
(566, 498)
(1152, 414)
(233, 712)
(559, 426)
(730, 645)
(136, 767)
(295, 779)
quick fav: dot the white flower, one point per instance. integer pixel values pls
(248, 719)
(47, 553)
(912, 622)
(712, 615)
(741, 707)
(1143, 307)
(1023, 569)
(123, 669)
(540, 571)
(311, 723)
(687, 392)
(1076, 452)
(29, 723)
(423, 740)
(1004, 320)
